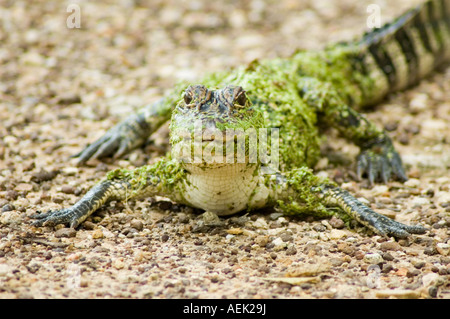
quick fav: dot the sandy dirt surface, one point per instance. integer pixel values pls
(61, 88)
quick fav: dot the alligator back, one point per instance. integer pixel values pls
(404, 51)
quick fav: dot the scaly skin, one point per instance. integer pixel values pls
(290, 97)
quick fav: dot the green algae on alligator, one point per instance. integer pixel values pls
(293, 96)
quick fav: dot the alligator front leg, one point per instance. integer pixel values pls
(165, 178)
(134, 131)
(378, 223)
(96, 197)
(300, 191)
(378, 158)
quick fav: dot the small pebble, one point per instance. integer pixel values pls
(70, 171)
(260, 223)
(336, 234)
(101, 167)
(183, 218)
(69, 98)
(275, 216)
(319, 227)
(11, 217)
(164, 205)
(418, 263)
(413, 129)
(419, 103)
(67, 189)
(402, 271)
(279, 244)
(291, 251)
(433, 291)
(390, 245)
(346, 248)
(137, 224)
(336, 262)
(412, 182)
(420, 201)
(391, 126)
(373, 258)
(412, 273)
(7, 208)
(24, 187)
(119, 263)
(235, 231)
(97, 234)
(359, 255)
(443, 248)
(33, 267)
(58, 199)
(430, 279)
(336, 222)
(4, 269)
(182, 270)
(43, 176)
(11, 195)
(403, 139)
(262, 240)
(88, 225)
(430, 251)
(387, 256)
(387, 268)
(286, 237)
(65, 232)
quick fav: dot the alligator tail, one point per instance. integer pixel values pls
(403, 51)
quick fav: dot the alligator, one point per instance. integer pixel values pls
(249, 138)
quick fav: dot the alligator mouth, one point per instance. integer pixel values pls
(209, 149)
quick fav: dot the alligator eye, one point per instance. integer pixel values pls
(241, 99)
(187, 98)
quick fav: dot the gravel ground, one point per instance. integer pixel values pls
(62, 88)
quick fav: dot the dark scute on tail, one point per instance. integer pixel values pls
(417, 41)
